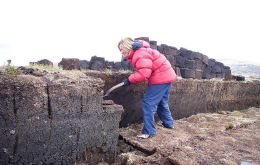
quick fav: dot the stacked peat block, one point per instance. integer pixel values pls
(186, 63)
(189, 64)
(84, 64)
(95, 63)
(238, 78)
(122, 65)
(99, 63)
(69, 64)
(216, 69)
(42, 62)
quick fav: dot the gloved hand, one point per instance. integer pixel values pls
(126, 82)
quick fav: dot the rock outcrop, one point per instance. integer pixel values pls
(56, 119)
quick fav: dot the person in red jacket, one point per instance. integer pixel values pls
(152, 66)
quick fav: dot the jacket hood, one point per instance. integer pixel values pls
(139, 44)
(136, 45)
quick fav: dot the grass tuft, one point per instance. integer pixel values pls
(11, 70)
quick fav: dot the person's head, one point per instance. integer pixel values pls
(125, 46)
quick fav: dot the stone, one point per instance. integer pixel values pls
(70, 64)
(45, 62)
(190, 64)
(205, 59)
(84, 64)
(97, 63)
(187, 54)
(153, 44)
(143, 38)
(171, 59)
(180, 61)
(187, 73)
(178, 71)
(198, 74)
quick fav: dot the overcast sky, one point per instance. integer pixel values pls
(31, 30)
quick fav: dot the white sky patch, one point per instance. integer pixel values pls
(32, 30)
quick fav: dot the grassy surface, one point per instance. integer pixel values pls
(45, 67)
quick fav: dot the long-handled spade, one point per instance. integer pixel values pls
(113, 88)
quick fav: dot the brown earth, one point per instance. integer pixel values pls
(209, 138)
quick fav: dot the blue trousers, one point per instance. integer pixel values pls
(156, 100)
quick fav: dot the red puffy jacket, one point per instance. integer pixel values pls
(150, 65)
